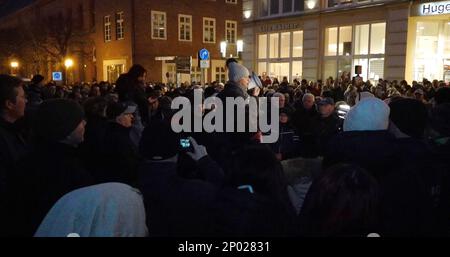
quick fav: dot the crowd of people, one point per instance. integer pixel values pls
(103, 160)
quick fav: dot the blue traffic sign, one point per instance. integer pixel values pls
(204, 54)
(57, 76)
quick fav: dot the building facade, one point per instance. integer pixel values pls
(48, 32)
(155, 33)
(316, 39)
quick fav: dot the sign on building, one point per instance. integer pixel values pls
(183, 64)
(203, 59)
(432, 8)
(57, 76)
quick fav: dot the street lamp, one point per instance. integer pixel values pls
(311, 4)
(247, 14)
(68, 63)
(223, 48)
(240, 47)
(14, 66)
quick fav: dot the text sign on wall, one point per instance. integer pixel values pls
(435, 8)
(279, 27)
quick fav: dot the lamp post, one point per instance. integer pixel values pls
(240, 48)
(68, 63)
(223, 48)
(14, 66)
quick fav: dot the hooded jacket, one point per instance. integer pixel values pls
(105, 210)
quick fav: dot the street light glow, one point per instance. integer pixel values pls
(68, 63)
(247, 14)
(311, 4)
(223, 48)
(240, 46)
(14, 64)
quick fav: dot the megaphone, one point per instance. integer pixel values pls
(254, 81)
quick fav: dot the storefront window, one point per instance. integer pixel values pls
(330, 68)
(430, 55)
(297, 70)
(362, 39)
(345, 41)
(279, 70)
(331, 41)
(285, 44)
(376, 69)
(364, 63)
(286, 48)
(262, 68)
(345, 65)
(378, 39)
(262, 46)
(274, 45)
(368, 50)
(297, 47)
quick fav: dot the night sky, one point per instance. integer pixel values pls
(9, 6)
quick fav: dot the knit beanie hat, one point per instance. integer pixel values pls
(410, 116)
(56, 119)
(370, 114)
(237, 71)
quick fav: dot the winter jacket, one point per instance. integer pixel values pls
(191, 207)
(44, 176)
(288, 144)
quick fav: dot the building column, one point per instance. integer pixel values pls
(311, 48)
(396, 44)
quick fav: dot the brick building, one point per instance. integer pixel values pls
(39, 25)
(153, 33)
(117, 34)
(316, 39)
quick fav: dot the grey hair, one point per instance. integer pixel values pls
(308, 95)
(278, 95)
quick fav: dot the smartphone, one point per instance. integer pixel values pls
(185, 144)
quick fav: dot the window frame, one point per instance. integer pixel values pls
(120, 21)
(209, 26)
(107, 28)
(180, 24)
(153, 13)
(227, 29)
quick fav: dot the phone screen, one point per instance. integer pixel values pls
(185, 143)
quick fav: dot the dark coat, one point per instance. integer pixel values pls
(12, 147)
(191, 207)
(115, 158)
(405, 175)
(324, 130)
(303, 120)
(288, 143)
(229, 142)
(44, 176)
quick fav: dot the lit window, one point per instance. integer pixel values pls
(120, 34)
(209, 30)
(231, 31)
(158, 25)
(107, 28)
(185, 27)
